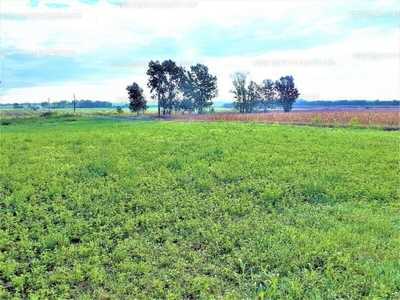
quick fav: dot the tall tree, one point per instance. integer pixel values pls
(287, 92)
(156, 82)
(239, 91)
(165, 80)
(267, 95)
(200, 87)
(253, 97)
(173, 79)
(137, 101)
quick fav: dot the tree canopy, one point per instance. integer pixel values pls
(137, 101)
(180, 90)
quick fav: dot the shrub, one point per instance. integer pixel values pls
(5, 122)
(49, 114)
(316, 120)
(375, 126)
(353, 122)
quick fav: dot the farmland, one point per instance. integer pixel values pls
(12, 113)
(104, 209)
(356, 117)
(373, 118)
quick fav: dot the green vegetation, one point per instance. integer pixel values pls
(137, 101)
(119, 110)
(353, 122)
(262, 97)
(316, 120)
(177, 89)
(103, 209)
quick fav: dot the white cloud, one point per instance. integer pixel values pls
(104, 28)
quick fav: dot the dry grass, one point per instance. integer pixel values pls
(337, 117)
(20, 113)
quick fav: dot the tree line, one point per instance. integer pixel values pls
(255, 97)
(66, 104)
(80, 104)
(333, 103)
(176, 89)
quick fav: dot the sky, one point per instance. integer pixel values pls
(335, 50)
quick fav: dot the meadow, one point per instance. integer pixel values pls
(106, 209)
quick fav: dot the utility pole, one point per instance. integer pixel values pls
(74, 104)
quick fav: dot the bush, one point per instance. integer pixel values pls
(375, 126)
(353, 122)
(316, 120)
(56, 114)
(119, 110)
(49, 114)
(5, 122)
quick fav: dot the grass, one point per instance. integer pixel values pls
(109, 111)
(12, 113)
(101, 209)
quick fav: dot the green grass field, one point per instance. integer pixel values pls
(103, 209)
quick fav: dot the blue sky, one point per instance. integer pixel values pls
(95, 48)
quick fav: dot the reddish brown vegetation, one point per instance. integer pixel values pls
(337, 117)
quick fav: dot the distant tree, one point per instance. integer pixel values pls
(119, 110)
(44, 104)
(56, 104)
(64, 104)
(240, 91)
(81, 104)
(200, 87)
(16, 105)
(267, 95)
(287, 92)
(137, 101)
(228, 105)
(92, 104)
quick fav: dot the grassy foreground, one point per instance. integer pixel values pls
(101, 209)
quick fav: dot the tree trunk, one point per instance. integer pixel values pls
(159, 108)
